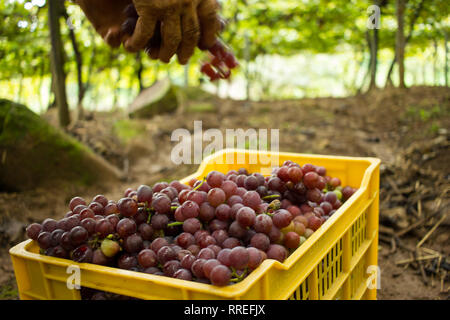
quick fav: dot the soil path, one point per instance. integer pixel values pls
(390, 124)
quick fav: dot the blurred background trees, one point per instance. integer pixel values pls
(50, 54)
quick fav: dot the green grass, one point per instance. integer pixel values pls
(434, 128)
(8, 291)
(201, 107)
(418, 113)
(127, 130)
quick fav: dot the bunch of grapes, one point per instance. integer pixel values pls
(215, 230)
(220, 64)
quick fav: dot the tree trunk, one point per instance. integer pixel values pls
(366, 75)
(116, 91)
(424, 73)
(79, 64)
(169, 75)
(90, 70)
(400, 42)
(140, 69)
(51, 94)
(359, 66)
(19, 91)
(156, 69)
(374, 60)
(186, 75)
(435, 77)
(41, 82)
(446, 58)
(247, 66)
(57, 62)
(411, 29)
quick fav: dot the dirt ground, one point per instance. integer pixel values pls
(407, 129)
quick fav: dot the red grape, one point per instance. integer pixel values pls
(206, 253)
(190, 209)
(220, 275)
(224, 256)
(215, 179)
(263, 223)
(126, 227)
(282, 218)
(223, 212)
(187, 261)
(191, 225)
(101, 199)
(229, 187)
(78, 235)
(209, 265)
(183, 274)
(347, 192)
(133, 243)
(206, 212)
(314, 223)
(49, 225)
(76, 202)
(170, 267)
(144, 194)
(276, 252)
(239, 257)
(33, 230)
(185, 239)
(82, 254)
(246, 217)
(291, 240)
(166, 253)
(251, 199)
(158, 243)
(231, 243)
(216, 197)
(197, 268)
(255, 258)
(96, 207)
(127, 207)
(161, 203)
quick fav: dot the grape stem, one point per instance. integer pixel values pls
(272, 196)
(203, 180)
(176, 223)
(238, 278)
(94, 242)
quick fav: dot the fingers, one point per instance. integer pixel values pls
(190, 34)
(171, 37)
(144, 30)
(210, 23)
(113, 37)
(152, 48)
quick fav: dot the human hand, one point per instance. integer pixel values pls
(168, 27)
(106, 16)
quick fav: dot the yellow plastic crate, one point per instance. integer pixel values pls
(332, 264)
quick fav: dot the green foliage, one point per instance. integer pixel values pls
(275, 28)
